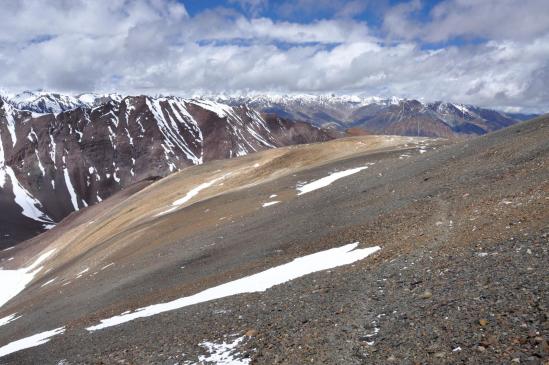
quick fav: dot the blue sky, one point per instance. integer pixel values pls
(493, 53)
(369, 12)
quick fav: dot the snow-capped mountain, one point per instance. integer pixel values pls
(53, 164)
(44, 102)
(381, 115)
(374, 115)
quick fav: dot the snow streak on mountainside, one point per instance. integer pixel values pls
(52, 164)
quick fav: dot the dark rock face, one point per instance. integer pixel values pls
(386, 116)
(54, 164)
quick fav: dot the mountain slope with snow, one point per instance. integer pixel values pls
(377, 249)
(52, 164)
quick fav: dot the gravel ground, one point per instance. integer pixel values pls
(462, 275)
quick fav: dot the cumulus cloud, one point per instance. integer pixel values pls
(154, 46)
(489, 19)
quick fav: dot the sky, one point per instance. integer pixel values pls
(492, 53)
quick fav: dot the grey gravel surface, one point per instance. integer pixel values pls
(461, 276)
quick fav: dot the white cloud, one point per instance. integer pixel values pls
(154, 46)
(489, 19)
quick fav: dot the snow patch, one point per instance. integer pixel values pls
(259, 282)
(40, 166)
(8, 319)
(191, 194)
(31, 341)
(268, 204)
(325, 181)
(8, 113)
(70, 188)
(79, 275)
(30, 205)
(14, 281)
(224, 353)
(106, 266)
(48, 282)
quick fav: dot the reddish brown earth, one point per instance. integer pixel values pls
(357, 132)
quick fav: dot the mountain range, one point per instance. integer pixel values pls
(386, 116)
(60, 153)
(374, 115)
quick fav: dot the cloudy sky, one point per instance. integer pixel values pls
(493, 53)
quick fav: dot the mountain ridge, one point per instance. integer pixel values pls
(379, 115)
(54, 163)
(342, 107)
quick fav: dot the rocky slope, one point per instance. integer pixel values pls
(52, 164)
(458, 241)
(384, 116)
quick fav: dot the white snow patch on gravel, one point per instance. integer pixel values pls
(31, 341)
(8, 319)
(376, 331)
(48, 282)
(191, 194)
(325, 181)
(106, 266)
(14, 281)
(82, 272)
(259, 282)
(223, 353)
(270, 203)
